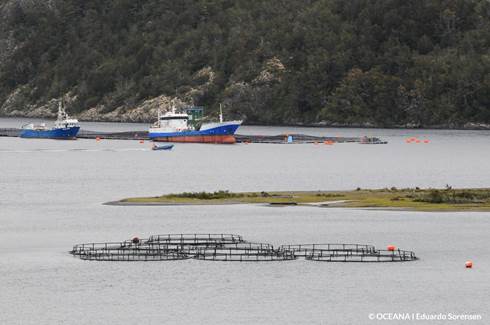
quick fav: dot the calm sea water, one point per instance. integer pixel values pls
(51, 194)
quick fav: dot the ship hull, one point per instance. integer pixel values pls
(61, 134)
(221, 134)
(221, 139)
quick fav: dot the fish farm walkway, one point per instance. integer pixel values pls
(240, 138)
(230, 247)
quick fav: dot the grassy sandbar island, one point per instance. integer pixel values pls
(416, 199)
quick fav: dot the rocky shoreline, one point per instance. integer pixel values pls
(146, 112)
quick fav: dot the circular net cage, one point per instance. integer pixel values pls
(348, 253)
(195, 239)
(352, 256)
(243, 252)
(306, 250)
(126, 251)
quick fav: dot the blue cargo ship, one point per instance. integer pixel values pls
(64, 128)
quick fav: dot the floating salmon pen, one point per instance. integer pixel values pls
(238, 138)
(230, 247)
(195, 239)
(244, 252)
(308, 250)
(361, 256)
(126, 251)
(348, 253)
(155, 248)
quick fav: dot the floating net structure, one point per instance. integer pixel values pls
(348, 253)
(156, 248)
(231, 247)
(126, 251)
(244, 252)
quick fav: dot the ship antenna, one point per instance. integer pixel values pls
(220, 114)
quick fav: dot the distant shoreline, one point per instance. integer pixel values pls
(469, 126)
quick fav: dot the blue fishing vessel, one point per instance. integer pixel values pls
(64, 128)
(185, 127)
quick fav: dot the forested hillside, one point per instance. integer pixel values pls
(335, 62)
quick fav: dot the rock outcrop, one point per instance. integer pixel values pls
(144, 112)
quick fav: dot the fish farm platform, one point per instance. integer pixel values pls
(240, 138)
(230, 247)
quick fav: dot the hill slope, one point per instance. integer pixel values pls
(360, 62)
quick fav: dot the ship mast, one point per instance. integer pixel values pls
(159, 113)
(220, 114)
(174, 111)
(61, 111)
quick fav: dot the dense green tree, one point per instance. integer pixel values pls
(366, 62)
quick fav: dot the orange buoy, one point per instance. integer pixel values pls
(142, 141)
(391, 248)
(417, 141)
(426, 141)
(469, 264)
(135, 240)
(97, 139)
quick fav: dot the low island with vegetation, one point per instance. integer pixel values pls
(416, 199)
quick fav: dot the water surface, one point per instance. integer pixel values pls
(51, 194)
